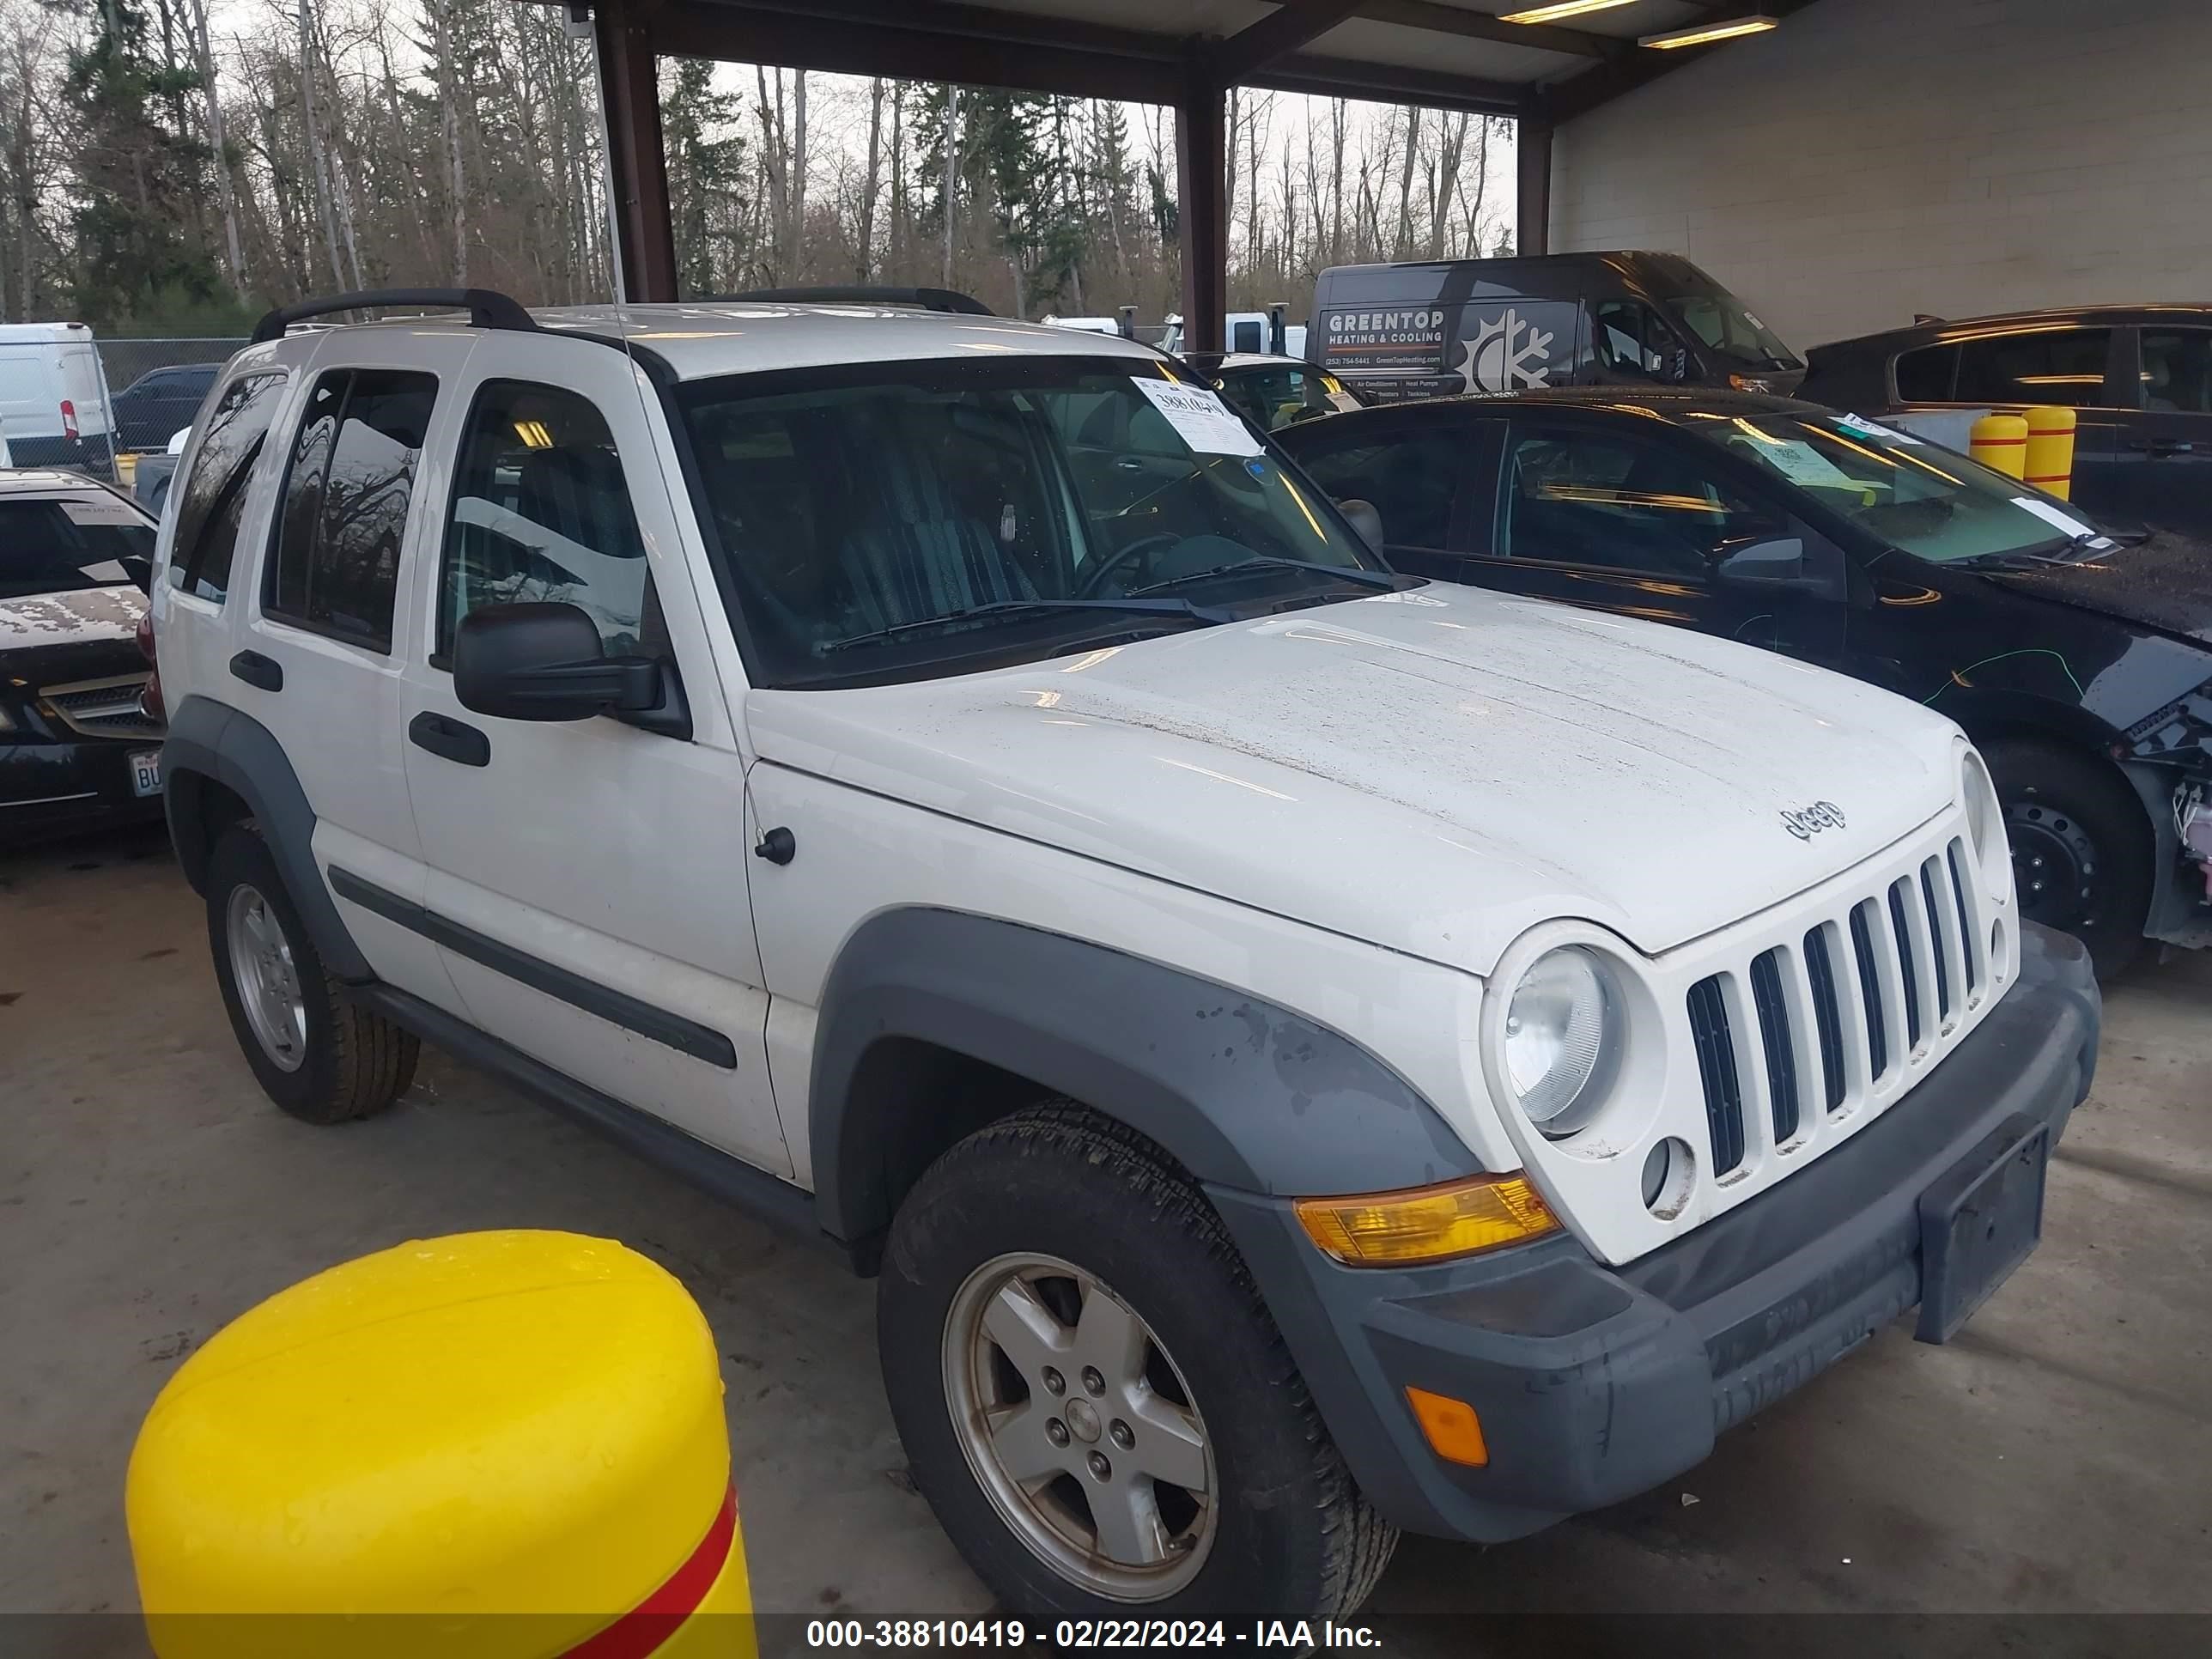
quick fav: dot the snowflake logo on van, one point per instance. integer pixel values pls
(1499, 361)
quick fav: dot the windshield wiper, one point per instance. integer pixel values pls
(1177, 609)
(1358, 574)
(2015, 561)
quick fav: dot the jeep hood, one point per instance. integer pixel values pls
(1433, 771)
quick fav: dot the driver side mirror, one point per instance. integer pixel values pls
(1363, 518)
(544, 661)
(1776, 561)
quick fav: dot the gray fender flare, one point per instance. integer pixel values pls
(209, 741)
(1243, 1093)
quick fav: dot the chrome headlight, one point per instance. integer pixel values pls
(1562, 1038)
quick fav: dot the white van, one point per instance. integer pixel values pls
(54, 409)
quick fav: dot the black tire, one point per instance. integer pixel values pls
(2081, 846)
(353, 1063)
(1293, 1537)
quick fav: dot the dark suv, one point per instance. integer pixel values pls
(2138, 377)
(2079, 662)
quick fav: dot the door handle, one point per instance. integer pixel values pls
(2155, 447)
(256, 670)
(449, 739)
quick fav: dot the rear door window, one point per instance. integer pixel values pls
(346, 495)
(213, 498)
(2042, 366)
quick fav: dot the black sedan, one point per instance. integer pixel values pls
(75, 748)
(2080, 661)
(2138, 377)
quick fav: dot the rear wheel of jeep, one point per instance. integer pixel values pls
(2082, 848)
(1093, 1396)
(316, 1053)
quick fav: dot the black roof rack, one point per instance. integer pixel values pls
(870, 293)
(487, 307)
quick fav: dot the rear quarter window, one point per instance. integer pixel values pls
(1926, 376)
(213, 498)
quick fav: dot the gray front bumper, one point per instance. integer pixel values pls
(1595, 1384)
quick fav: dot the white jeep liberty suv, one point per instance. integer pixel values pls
(1309, 1052)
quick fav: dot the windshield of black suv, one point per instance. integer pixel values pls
(892, 521)
(1932, 502)
(53, 545)
(1730, 331)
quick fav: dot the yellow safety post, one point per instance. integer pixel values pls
(502, 1445)
(2050, 452)
(2000, 441)
(126, 469)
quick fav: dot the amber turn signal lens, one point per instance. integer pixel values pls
(1427, 1223)
(1453, 1430)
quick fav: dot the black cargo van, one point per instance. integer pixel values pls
(1440, 327)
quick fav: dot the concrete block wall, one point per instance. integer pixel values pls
(1870, 159)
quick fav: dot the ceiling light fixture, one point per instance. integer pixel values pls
(1559, 9)
(1701, 34)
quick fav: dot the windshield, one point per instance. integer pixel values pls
(1718, 317)
(60, 546)
(886, 523)
(1932, 502)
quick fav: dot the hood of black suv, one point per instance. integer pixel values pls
(2164, 582)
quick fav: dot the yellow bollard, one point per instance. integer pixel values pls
(126, 469)
(2050, 452)
(502, 1445)
(2000, 441)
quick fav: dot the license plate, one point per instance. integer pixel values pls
(1978, 1222)
(146, 772)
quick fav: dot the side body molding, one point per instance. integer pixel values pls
(1244, 1093)
(209, 741)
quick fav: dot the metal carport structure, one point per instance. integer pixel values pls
(1185, 54)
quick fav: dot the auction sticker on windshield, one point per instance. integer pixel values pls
(1866, 429)
(1201, 419)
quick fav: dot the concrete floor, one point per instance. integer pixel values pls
(2056, 1458)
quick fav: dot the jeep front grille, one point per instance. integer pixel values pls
(1762, 1035)
(102, 708)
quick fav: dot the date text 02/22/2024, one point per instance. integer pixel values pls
(1295, 1635)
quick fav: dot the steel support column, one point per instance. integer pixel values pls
(638, 166)
(1532, 231)
(1202, 210)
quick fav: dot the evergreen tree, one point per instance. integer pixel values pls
(705, 172)
(141, 171)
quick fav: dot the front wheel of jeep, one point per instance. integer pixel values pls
(1093, 1394)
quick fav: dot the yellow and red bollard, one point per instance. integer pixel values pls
(2050, 452)
(506, 1445)
(2000, 442)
